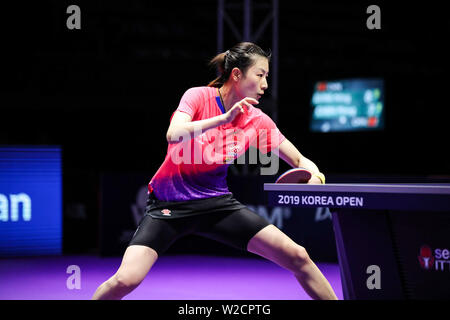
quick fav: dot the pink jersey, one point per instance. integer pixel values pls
(197, 168)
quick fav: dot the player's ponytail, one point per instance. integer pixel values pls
(218, 62)
(240, 56)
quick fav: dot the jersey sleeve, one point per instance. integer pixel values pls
(191, 100)
(269, 136)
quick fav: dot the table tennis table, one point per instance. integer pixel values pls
(392, 240)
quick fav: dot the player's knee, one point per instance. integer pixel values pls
(299, 258)
(125, 282)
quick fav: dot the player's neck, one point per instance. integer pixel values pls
(229, 96)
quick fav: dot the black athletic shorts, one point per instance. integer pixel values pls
(220, 218)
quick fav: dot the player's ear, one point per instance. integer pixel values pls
(236, 74)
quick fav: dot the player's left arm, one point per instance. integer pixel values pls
(290, 154)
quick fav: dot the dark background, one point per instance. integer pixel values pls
(105, 93)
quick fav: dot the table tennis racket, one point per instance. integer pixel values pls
(296, 175)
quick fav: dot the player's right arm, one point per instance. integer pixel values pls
(182, 127)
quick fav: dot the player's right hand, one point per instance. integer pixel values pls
(238, 108)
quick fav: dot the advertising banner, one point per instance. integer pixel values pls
(30, 201)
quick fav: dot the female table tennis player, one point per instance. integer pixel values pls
(192, 197)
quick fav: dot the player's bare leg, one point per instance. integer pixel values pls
(136, 263)
(273, 244)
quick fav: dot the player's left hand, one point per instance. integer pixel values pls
(314, 180)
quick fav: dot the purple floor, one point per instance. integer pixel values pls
(178, 277)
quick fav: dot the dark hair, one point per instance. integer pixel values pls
(240, 56)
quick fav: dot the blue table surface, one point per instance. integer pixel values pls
(418, 188)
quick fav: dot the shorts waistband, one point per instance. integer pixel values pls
(153, 200)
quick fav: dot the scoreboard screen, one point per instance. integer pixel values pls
(347, 105)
